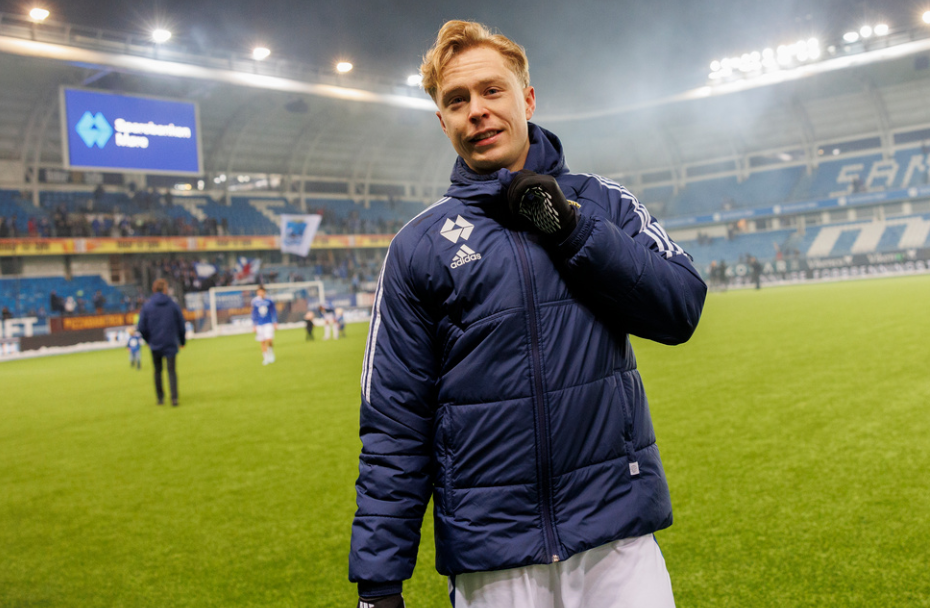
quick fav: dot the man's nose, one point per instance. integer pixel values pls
(477, 109)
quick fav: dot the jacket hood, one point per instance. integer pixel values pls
(160, 299)
(545, 156)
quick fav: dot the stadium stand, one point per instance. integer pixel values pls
(723, 193)
(817, 241)
(242, 216)
(831, 178)
(26, 296)
(12, 205)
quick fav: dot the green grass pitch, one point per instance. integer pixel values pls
(795, 430)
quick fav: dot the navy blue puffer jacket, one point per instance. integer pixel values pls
(499, 378)
(161, 324)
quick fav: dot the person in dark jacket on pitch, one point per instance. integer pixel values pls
(161, 324)
(498, 375)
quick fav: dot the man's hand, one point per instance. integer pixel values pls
(384, 601)
(539, 200)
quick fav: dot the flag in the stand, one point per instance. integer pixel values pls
(297, 232)
(204, 270)
(247, 270)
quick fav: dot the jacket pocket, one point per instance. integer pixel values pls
(628, 404)
(623, 395)
(442, 477)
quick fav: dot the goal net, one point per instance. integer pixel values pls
(228, 310)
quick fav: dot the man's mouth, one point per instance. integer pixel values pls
(483, 136)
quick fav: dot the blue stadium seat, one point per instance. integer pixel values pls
(891, 237)
(26, 295)
(843, 245)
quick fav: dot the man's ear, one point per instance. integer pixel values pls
(529, 96)
(442, 123)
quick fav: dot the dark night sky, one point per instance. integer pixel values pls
(583, 53)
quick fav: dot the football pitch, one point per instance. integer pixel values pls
(794, 428)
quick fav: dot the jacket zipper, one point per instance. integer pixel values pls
(540, 403)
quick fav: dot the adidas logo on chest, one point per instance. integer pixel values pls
(460, 229)
(464, 255)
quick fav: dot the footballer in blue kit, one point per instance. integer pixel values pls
(328, 313)
(264, 322)
(135, 350)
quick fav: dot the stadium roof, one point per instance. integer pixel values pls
(616, 117)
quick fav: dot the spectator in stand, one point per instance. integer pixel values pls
(100, 302)
(6, 314)
(70, 305)
(60, 223)
(32, 229)
(55, 303)
(97, 199)
(4, 228)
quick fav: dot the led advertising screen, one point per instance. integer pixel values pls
(114, 132)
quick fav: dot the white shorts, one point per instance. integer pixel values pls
(264, 332)
(628, 573)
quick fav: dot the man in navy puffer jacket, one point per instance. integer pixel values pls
(161, 324)
(498, 376)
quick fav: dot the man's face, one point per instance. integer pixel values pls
(483, 109)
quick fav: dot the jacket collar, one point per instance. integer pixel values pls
(545, 156)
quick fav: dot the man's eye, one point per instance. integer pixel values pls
(493, 91)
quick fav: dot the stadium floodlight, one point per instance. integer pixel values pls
(344, 66)
(38, 14)
(881, 29)
(865, 31)
(414, 80)
(851, 36)
(784, 55)
(161, 35)
(926, 17)
(260, 53)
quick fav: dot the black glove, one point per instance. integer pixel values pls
(383, 601)
(538, 199)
